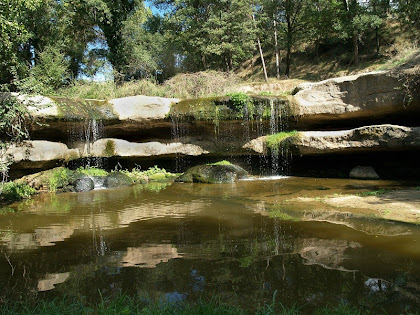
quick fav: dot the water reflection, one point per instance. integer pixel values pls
(185, 241)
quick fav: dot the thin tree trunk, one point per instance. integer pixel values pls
(262, 60)
(355, 50)
(276, 47)
(377, 41)
(260, 48)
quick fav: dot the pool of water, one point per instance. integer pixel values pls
(242, 242)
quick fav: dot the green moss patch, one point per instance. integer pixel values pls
(275, 140)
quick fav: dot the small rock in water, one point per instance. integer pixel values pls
(364, 172)
(84, 184)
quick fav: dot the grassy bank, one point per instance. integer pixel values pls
(124, 304)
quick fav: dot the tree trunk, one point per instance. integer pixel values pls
(203, 61)
(262, 59)
(289, 47)
(377, 41)
(355, 49)
(276, 48)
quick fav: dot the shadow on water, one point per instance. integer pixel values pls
(241, 241)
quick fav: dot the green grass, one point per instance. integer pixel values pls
(154, 173)
(124, 304)
(273, 141)
(91, 171)
(378, 192)
(13, 191)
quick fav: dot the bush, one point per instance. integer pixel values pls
(91, 171)
(13, 191)
(59, 178)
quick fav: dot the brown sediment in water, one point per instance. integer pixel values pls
(397, 205)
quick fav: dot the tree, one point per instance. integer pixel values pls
(321, 15)
(13, 36)
(212, 34)
(355, 21)
(290, 17)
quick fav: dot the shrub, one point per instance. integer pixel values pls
(59, 178)
(13, 191)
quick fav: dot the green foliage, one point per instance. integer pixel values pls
(13, 191)
(59, 178)
(91, 171)
(49, 73)
(273, 141)
(109, 148)
(125, 304)
(378, 192)
(152, 174)
(14, 118)
(240, 100)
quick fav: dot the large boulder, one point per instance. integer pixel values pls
(117, 179)
(213, 173)
(364, 172)
(361, 95)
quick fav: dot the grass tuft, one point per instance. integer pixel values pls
(273, 141)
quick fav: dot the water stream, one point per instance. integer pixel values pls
(241, 242)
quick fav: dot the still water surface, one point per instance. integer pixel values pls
(241, 242)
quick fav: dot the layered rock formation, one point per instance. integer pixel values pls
(372, 112)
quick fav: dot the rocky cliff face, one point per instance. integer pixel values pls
(353, 115)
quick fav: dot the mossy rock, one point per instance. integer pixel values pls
(84, 184)
(213, 174)
(117, 179)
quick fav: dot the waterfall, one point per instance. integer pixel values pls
(179, 130)
(82, 134)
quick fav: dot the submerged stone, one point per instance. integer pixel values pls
(117, 179)
(213, 174)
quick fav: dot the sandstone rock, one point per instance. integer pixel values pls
(83, 184)
(142, 107)
(374, 93)
(37, 152)
(368, 138)
(116, 147)
(213, 174)
(117, 179)
(364, 172)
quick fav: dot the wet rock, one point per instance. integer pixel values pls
(363, 172)
(117, 179)
(213, 174)
(83, 184)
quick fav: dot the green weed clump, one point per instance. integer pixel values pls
(13, 191)
(378, 192)
(59, 178)
(273, 141)
(152, 174)
(91, 171)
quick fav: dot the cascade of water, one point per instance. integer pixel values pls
(179, 130)
(84, 134)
